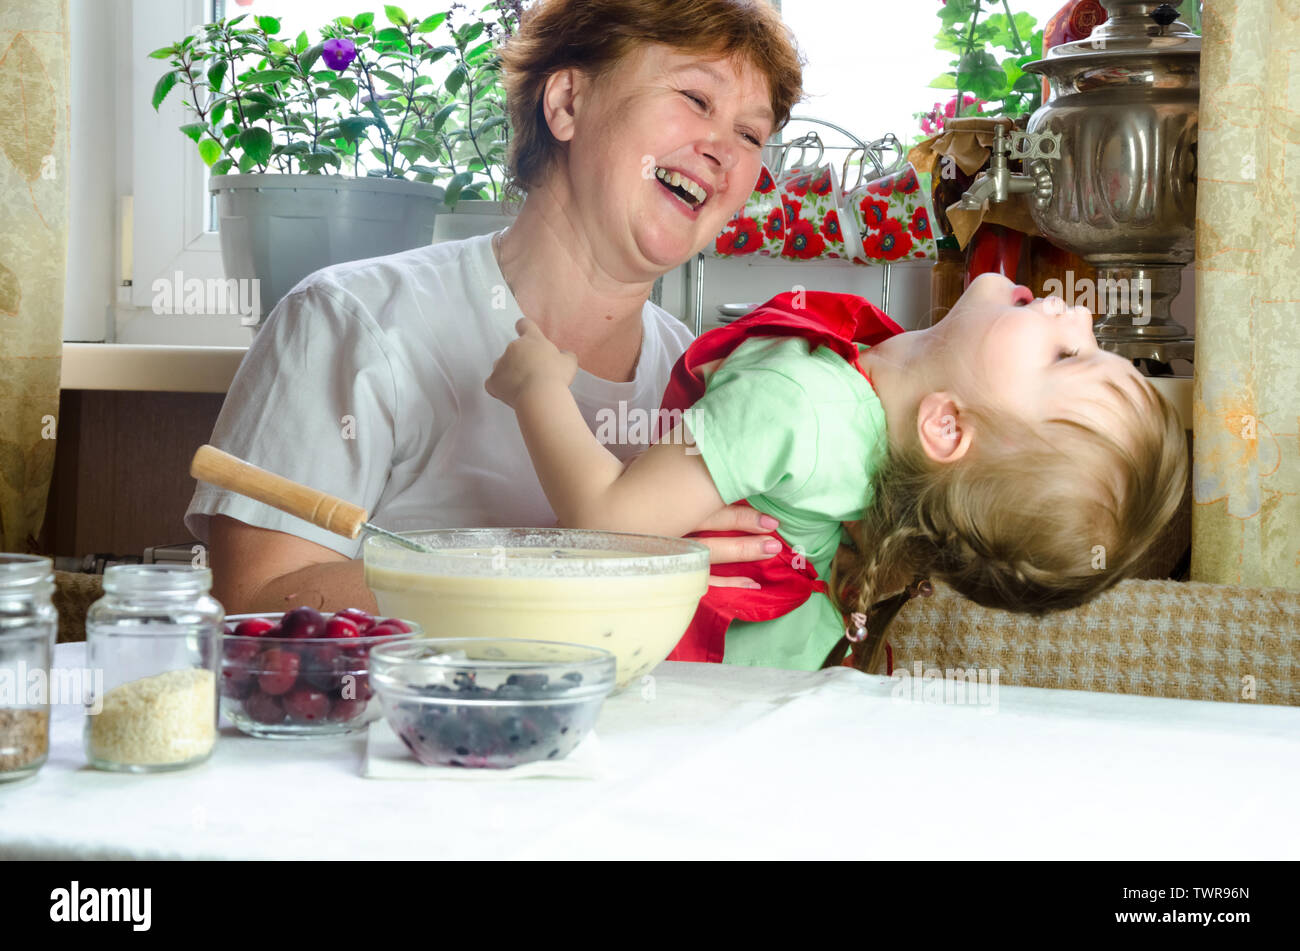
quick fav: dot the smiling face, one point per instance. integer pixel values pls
(1034, 358)
(662, 151)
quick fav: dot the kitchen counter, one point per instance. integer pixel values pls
(712, 761)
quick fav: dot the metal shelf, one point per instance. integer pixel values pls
(695, 282)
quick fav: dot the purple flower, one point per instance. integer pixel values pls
(338, 54)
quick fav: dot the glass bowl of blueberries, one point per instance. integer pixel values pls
(490, 702)
(303, 674)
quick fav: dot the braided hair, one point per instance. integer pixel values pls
(1033, 519)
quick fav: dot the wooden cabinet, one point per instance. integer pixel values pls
(121, 470)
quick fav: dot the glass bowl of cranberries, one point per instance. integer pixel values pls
(490, 702)
(302, 673)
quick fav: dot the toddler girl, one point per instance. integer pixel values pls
(1000, 451)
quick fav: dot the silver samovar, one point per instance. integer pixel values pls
(1111, 161)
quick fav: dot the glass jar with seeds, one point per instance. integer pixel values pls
(156, 637)
(28, 624)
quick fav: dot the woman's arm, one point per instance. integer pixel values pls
(667, 490)
(257, 569)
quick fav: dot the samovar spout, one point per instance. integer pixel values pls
(999, 182)
(986, 187)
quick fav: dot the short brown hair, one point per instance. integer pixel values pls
(594, 35)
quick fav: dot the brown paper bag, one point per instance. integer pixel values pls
(969, 141)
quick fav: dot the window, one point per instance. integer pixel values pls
(170, 232)
(173, 229)
(868, 69)
(870, 64)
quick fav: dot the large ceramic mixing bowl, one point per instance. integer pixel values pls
(633, 595)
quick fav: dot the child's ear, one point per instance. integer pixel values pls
(944, 431)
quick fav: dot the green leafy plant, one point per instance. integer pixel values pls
(986, 82)
(405, 97)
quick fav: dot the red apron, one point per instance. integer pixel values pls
(838, 321)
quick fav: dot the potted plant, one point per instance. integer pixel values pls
(980, 76)
(344, 148)
(990, 45)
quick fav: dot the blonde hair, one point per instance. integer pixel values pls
(1034, 518)
(594, 35)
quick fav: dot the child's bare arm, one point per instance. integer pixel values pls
(664, 491)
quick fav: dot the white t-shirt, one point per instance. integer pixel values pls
(367, 382)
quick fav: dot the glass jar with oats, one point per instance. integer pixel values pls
(28, 625)
(155, 639)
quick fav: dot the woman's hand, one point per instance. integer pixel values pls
(528, 362)
(722, 551)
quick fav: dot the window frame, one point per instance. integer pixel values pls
(170, 221)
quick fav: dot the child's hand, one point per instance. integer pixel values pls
(528, 362)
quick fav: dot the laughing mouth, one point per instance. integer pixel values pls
(684, 189)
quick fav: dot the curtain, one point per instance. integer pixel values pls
(1246, 392)
(34, 60)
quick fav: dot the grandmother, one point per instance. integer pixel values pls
(637, 132)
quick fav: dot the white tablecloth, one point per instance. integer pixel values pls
(711, 761)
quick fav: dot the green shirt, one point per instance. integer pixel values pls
(798, 435)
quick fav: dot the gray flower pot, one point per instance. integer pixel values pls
(277, 229)
(469, 218)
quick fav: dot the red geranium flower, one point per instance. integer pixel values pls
(822, 183)
(799, 184)
(774, 226)
(765, 183)
(935, 121)
(831, 227)
(967, 100)
(920, 224)
(873, 212)
(739, 237)
(890, 243)
(801, 241)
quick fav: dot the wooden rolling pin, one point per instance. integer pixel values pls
(327, 511)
